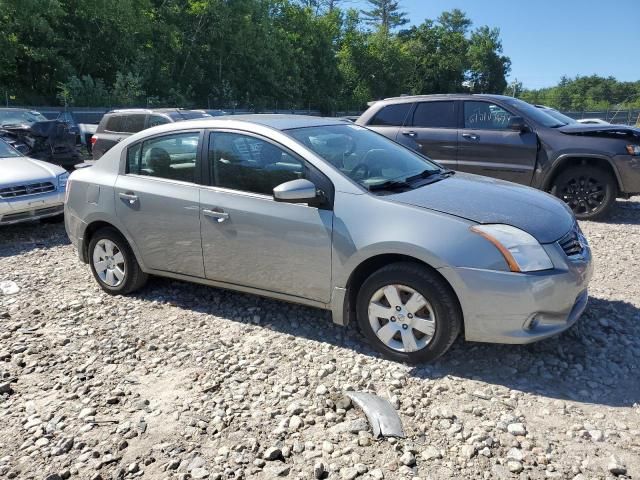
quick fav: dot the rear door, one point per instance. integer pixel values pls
(389, 119)
(157, 201)
(432, 129)
(487, 146)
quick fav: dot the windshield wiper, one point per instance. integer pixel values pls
(429, 173)
(389, 185)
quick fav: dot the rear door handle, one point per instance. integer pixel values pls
(218, 216)
(471, 136)
(410, 133)
(129, 197)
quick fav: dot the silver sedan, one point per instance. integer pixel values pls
(326, 213)
(29, 189)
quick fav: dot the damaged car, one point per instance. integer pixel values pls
(34, 136)
(29, 189)
(587, 166)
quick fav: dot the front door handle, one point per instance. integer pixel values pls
(410, 133)
(219, 216)
(471, 136)
(129, 197)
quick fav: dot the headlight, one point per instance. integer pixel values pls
(633, 150)
(520, 250)
(62, 180)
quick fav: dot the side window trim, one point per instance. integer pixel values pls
(482, 100)
(198, 177)
(206, 172)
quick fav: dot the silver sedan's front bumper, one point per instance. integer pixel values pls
(505, 307)
(31, 207)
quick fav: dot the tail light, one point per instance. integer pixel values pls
(94, 139)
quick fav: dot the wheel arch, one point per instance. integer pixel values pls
(370, 265)
(569, 159)
(96, 225)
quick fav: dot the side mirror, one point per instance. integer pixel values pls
(517, 124)
(295, 191)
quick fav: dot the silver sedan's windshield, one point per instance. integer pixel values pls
(366, 157)
(7, 151)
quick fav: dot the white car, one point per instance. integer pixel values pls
(593, 121)
(29, 189)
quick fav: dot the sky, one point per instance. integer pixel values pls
(546, 39)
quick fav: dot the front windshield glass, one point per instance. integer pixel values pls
(12, 117)
(7, 151)
(364, 156)
(536, 114)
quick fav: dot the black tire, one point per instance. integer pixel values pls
(134, 277)
(589, 191)
(437, 292)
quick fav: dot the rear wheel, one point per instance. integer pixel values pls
(113, 263)
(589, 191)
(408, 313)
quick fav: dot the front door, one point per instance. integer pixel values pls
(249, 239)
(432, 129)
(157, 201)
(487, 146)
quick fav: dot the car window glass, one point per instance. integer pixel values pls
(155, 120)
(115, 123)
(391, 115)
(485, 116)
(134, 123)
(170, 156)
(246, 163)
(434, 115)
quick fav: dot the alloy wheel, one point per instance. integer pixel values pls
(584, 194)
(402, 318)
(108, 262)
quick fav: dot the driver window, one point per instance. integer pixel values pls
(485, 116)
(250, 164)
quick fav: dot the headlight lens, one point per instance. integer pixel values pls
(633, 150)
(520, 250)
(62, 180)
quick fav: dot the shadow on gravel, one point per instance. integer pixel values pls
(597, 361)
(23, 237)
(624, 213)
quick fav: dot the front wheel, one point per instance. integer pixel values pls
(589, 191)
(113, 263)
(408, 313)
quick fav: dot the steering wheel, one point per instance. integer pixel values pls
(361, 166)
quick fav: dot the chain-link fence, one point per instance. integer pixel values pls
(623, 117)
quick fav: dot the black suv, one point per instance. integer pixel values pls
(587, 166)
(119, 124)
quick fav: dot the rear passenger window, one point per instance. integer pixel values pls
(171, 156)
(435, 115)
(155, 120)
(391, 115)
(134, 123)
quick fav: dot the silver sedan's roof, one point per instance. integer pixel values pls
(279, 122)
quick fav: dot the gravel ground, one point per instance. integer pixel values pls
(185, 381)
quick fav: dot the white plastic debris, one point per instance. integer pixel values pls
(9, 288)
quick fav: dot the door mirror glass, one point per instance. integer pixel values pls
(517, 124)
(295, 191)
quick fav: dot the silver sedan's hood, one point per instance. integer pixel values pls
(487, 200)
(20, 170)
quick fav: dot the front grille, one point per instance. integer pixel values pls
(24, 190)
(570, 243)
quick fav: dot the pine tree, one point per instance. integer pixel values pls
(385, 14)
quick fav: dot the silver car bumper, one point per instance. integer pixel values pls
(505, 307)
(31, 207)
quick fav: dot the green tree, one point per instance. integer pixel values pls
(488, 68)
(385, 14)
